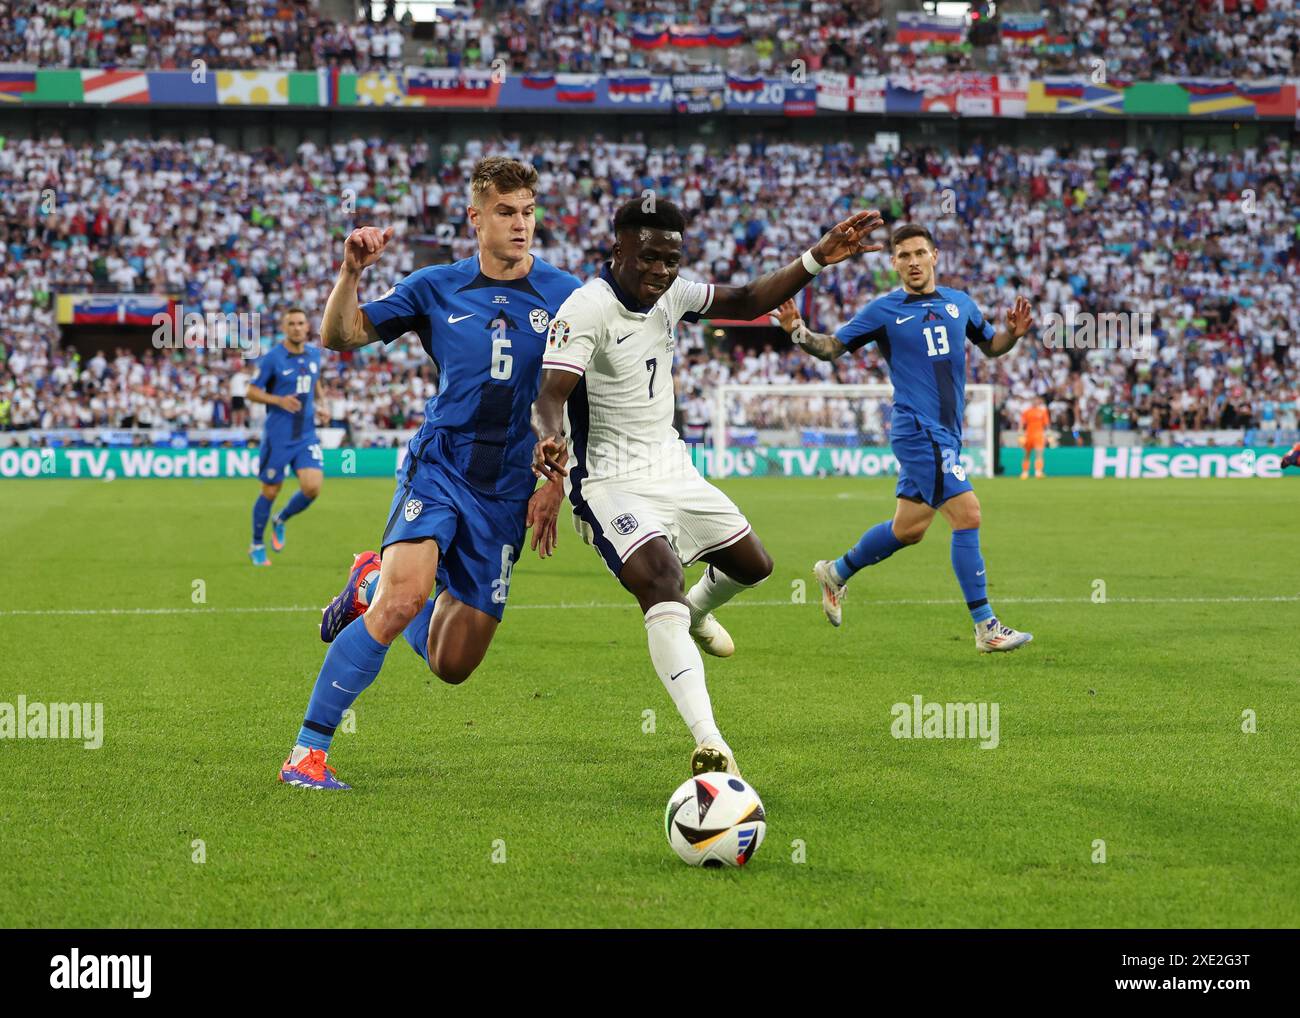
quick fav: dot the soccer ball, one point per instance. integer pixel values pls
(367, 584)
(715, 820)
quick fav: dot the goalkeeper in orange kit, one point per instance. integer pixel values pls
(1292, 459)
(1033, 425)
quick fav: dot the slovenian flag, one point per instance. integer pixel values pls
(689, 35)
(649, 38)
(634, 84)
(725, 36)
(575, 88)
(741, 83)
(1023, 26)
(539, 81)
(447, 88)
(916, 26)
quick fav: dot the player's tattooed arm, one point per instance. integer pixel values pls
(344, 325)
(1019, 320)
(844, 240)
(821, 345)
(552, 450)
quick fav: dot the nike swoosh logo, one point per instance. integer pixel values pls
(337, 686)
(453, 319)
(621, 338)
(289, 371)
(682, 672)
(900, 321)
(980, 573)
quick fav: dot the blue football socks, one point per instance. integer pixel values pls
(261, 513)
(297, 504)
(351, 664)
(876, 545)
(968, 564)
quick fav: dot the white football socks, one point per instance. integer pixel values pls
(711, 591)
(680, 668)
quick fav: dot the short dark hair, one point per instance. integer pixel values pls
(295, 310)
(907, 231)
(662, 215)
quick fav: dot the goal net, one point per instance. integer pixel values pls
(823, 430)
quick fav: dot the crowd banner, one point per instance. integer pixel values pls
(754, 94)
(940, 94)
(851, 93)
(700, 93)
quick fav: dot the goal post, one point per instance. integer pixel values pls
(824, 430)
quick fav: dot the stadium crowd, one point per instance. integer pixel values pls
(166, 34)
(1192, 38)
(1206, 244)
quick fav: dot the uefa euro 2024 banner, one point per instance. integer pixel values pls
(859, 461)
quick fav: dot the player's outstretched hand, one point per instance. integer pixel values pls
(549, 457)
(543, 517)
(1020, 317)
(850, 238)
(364, 246)
(786, 315)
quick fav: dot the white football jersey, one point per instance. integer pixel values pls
(620, 417)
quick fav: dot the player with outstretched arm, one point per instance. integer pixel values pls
(465, 492)
(636, 495)
(921, 331)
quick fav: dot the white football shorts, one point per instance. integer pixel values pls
(619, 515)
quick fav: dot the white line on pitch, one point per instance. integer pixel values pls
(602, 605)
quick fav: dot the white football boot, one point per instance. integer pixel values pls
(991, 635)
(713, 756)
(832, 590)
(712, 638)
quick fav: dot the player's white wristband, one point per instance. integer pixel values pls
(811, 264)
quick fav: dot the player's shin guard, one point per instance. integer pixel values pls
(968, 564)
(417, 631)
(351, 664)
(711, 591)
(261, 513)
(876, 545)
(679, 666)
(297, 504)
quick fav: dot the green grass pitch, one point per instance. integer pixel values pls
(1122, 723)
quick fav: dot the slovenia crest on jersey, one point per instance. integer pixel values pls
(952, 310)
(539, 319)
(559, 334)
(413, 509)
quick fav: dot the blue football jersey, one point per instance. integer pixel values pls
(922, 338)
(282, 373)
(487, 337)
